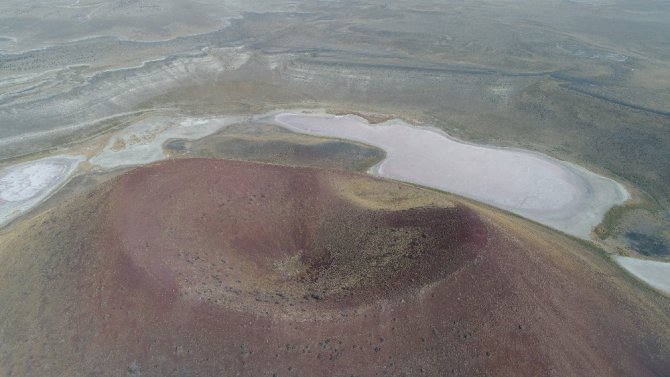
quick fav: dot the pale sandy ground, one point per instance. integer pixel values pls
(552, 192)
(142, 142)
(656, 274)
(24, 186)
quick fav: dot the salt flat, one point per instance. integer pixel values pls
(24, 186)
(552, 192)
(654, 273)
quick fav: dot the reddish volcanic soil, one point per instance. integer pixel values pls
(219, 268)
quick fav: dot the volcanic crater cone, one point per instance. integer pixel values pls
(215, 267)
(282, 240)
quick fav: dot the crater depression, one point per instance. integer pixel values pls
(268, 237)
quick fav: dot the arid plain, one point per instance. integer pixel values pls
(183, 188)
